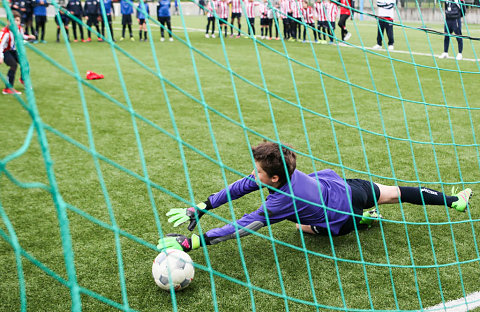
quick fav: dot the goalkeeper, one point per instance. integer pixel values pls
(323, 201)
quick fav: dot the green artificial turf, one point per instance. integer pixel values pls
(396, 118)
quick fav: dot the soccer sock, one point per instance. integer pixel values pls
(130, 30)
(11, 76)
(58, 34)
(111, 30)
(123, 31)
(261, 31)
(140, 34)
(145, 35)
(414, 195)
(460, 45)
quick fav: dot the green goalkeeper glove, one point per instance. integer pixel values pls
(192, 214)
(180, 242)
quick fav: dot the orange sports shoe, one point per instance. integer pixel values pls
(10, 91)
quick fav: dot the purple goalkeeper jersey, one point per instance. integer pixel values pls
(309, 203)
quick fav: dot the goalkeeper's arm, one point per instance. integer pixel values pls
(249, 223)
(246, 225)
(193, 214)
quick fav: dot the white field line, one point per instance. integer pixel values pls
(468, 303)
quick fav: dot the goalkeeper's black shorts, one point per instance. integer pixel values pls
(362, 197)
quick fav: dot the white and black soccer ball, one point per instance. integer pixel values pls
(178, 264)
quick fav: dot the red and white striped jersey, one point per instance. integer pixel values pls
(236, 6)
(251, 8)
(321, 11)
(308, 15)
(285, 8)
(265, 10)
(222, 9)
(262, 9)
(332, 11)
(211, 7)
(7, 40)
(296, 8)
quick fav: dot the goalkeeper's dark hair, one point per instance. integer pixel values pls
(269, 155)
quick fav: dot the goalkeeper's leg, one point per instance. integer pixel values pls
(423, 195)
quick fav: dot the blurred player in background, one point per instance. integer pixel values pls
(8, 52)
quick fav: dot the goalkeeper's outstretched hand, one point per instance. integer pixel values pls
(182, 215)
(180, 242)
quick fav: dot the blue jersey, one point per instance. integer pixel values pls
(125, 7)
(40, 8)
(314, 195)
(140, 14)
(163, 8)
(108, 6)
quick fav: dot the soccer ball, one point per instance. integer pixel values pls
(180, 266)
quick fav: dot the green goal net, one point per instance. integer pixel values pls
(88, 168)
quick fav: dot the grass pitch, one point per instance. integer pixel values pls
(392, 117)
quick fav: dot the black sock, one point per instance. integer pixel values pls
(413, 195)
(140, 34)
(145, 35)
(11, 76)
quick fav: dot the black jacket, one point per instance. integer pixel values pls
(75, 6)
(454, 10)
(91, 7)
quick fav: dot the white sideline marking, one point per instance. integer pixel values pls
(347, 46)
(470, 302)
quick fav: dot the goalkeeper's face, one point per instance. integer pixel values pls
(261, 175)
